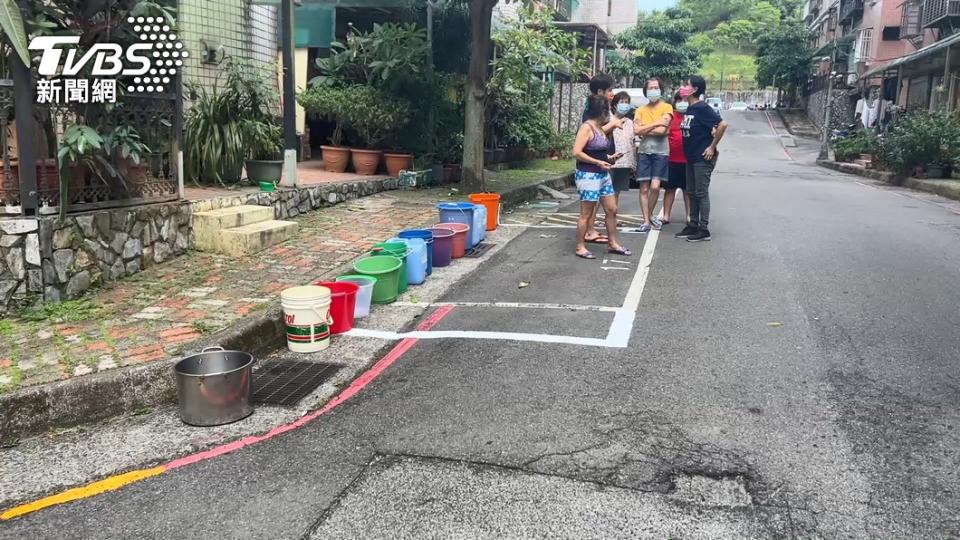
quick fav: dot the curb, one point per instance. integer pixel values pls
(803, 134)
(945, 187)
(520, 195)
(99, 396)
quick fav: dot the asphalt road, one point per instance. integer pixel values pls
(795, 377)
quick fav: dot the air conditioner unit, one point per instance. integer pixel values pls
(851, 79)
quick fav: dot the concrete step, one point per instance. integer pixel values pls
(208, 225)
(255, 237)
(865, 163)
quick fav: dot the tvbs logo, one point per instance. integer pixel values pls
(148, 65)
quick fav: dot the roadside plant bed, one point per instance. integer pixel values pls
(849, 149)
(921, 142)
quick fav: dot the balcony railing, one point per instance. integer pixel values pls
(910, 19)
(940, 13)
(115, 181)
(850, 10)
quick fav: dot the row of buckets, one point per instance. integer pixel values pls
(313, 312)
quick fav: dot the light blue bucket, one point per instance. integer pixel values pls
(416, 259)
(459, 212)
(479, 228)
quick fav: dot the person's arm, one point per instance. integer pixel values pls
(580, 143)
(613, 124)
(711, 151)
(654, 128)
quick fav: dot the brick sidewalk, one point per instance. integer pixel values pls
(158, 313)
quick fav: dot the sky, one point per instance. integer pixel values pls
(648, 5)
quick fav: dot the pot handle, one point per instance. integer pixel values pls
(212, 348)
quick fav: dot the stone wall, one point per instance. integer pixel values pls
(20, 273)
(289, 203)
(57, 259)
(843, 109)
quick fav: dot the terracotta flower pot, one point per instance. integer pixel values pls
(335, 158)
(398, 162)
(366, 161)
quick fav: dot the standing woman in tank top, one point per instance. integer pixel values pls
(591, 150)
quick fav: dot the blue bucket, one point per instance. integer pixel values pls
(427, 236)
(458, 212)
(479, 227)
(416, 259)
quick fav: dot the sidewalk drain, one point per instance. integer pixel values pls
(478, 250)
(286, 382)
(719, 490)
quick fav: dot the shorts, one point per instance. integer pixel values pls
(652, 167)
(677, 176)
(593, 185)
(621, 178)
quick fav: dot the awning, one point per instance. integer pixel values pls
(916, 55)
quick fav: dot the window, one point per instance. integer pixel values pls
(865, 41)
(891, 33)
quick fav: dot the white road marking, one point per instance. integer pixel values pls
(618, 335)
(622, 325)
(628, 263)
(466, 334)
(613, 268)
(513, 305)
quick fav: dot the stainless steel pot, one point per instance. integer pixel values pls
(214, 386)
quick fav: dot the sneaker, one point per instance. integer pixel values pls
(703, 235)
(687, 231)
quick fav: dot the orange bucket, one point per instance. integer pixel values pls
(492, 202)
(460, 231)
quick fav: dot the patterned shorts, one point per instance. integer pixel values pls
(593, 185)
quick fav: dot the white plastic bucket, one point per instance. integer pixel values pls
(306, 314)
(364, 296)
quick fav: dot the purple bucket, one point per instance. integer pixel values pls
(442, 247)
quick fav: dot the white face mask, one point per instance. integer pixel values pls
(653, 95)
(682, 106)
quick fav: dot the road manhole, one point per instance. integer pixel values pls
(286, 382)
(712, 490)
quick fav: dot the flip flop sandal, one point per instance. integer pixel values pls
(622, 251)
(586, 255)
(597, 240)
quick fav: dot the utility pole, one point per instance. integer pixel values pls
(432, 113)
(290, 140)
(825, 136)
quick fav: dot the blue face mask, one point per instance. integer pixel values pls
(682, 106)
(653, 95)
(623, 108)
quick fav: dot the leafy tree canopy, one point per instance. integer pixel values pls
(658, 47)
(784, 56)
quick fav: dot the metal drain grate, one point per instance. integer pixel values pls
(286, 382)
(478, 250)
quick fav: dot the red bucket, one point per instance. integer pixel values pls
(343, 301)
(460, 230)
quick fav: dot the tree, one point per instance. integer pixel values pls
(784, 58)
(658, 46)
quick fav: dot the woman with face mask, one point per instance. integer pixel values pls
(623, 142)
(652, 123)
(677, 166)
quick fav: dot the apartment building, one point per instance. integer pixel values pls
(613, 16)
(903, 51)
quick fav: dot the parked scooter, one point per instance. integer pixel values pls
(842, 133)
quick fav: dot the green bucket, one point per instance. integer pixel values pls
(386, 268)
(398, 250)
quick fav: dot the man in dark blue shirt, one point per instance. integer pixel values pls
(702, 129)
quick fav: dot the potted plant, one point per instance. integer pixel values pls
(128, 151)
(330, 103)
(264, 164)
(373, 115)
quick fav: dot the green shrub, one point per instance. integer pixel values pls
(921, 138)
(330, 103)
(850, 148)
(372, 115)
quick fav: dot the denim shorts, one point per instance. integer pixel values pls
(593, 185)
(652, 167)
